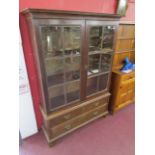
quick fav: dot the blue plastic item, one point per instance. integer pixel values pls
(128, 65)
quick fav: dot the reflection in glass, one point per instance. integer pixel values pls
(108, 36)
(56, 95)
(54, 66)
(72, 91)
(72, 63)
(72, 40)
(72, 68)
(103, 79)
(92, 85)
(95, 38)
(72, 75)
(94, 64)
(51, 40)
(105, 62)
(55, 79)
(61, 46)
(97, 83)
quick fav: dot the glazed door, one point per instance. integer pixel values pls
(100, 41)
(61, 53)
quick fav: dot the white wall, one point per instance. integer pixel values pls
(27, 120)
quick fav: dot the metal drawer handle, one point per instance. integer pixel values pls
(67, 116)
(95, 113)
(67, 127)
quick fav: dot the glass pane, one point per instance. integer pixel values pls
(54, 66)
(56, 95)
(54, 71)
(61, 47)
(72, 68)
(51, 40)
(95, 38)
(55, 79)
(73, 91)
(103, 79)
(96, 84)
(72, 40)
(108, 37)
(94, 62)
(73, 75)
(99, 57)
(106, 62)
(92, 85)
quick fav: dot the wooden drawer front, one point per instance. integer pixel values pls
(128, 76)
(96, 112)
(131, 85)
(123, 88)
(130, 95)
(77, 112)
(126, 97)
(65, 117)
(73, 123)
(122, 98)
(94, 105)
(126, 93)
(127, 85)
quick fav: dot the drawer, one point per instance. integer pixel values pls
(75, 122)
(76, 112)
(65, 117)
(127, 85)
(96, 112)
(65, 127)
(131, 84)
(94, 105)
(130, 96)
(122, 98)
(128, 76)
(123, 88)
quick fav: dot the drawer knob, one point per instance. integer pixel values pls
(95, 113)
(67, 127)
(67, 116)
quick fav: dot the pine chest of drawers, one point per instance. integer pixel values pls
(122, 90)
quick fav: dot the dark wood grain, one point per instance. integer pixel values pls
(55, 113)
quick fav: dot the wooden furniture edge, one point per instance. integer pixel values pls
(33, 10)
(62, 112)
(50, 141)
(122, 106)
(127, 22)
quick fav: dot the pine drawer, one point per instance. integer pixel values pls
(128, 76)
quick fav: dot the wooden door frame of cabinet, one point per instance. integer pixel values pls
(32, 15)
(62, 22)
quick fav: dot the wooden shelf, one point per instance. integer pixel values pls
(123, 51)
(125, 38)
(103, 51)
(97, 74)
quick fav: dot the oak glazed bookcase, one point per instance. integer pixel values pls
(73, 52)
